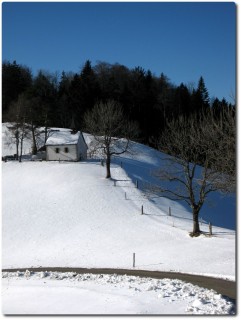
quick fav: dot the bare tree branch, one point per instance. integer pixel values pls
(111, 131)
(202, 159)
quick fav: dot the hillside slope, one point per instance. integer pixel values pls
(68, 214)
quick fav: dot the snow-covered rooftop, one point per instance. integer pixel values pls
(62, 137)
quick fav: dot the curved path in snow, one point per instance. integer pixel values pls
(224, 287)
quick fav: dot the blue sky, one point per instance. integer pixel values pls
(182, 40)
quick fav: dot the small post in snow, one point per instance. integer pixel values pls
(210, 229)
(121, 164)
(134, 260)
(170, 211)
(142, 210)
(137, 184)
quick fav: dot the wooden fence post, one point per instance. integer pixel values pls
(142, 211)
(170, 212)
(210, 229)
(134, 260)
(137, 184)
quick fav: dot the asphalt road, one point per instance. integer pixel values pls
(224, 287)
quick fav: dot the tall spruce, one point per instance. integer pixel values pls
(200, 98)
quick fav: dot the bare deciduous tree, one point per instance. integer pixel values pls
(222, 133)
(19, 128)
(111, 131)
(201, 154)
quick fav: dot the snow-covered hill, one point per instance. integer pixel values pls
(68, 214)
(59, 214)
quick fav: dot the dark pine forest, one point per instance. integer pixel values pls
(61, 101)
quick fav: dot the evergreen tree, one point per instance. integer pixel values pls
(64, 113)
(43, 95)
(84, 92)
(75, 107)
(182, 100)
(16, 79)
(90, 90)
(200, 98)
(203, 92)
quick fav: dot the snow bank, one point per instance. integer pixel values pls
(106, 294)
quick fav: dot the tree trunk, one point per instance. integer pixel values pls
(21, 140)
(196, 229)
(108, 175)
(21, 149)
(46, 128)
(17, 146)
(46, 134)
(34, 147)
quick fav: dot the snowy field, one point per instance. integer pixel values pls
(59, 214)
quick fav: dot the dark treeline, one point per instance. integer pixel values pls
(148, 100)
